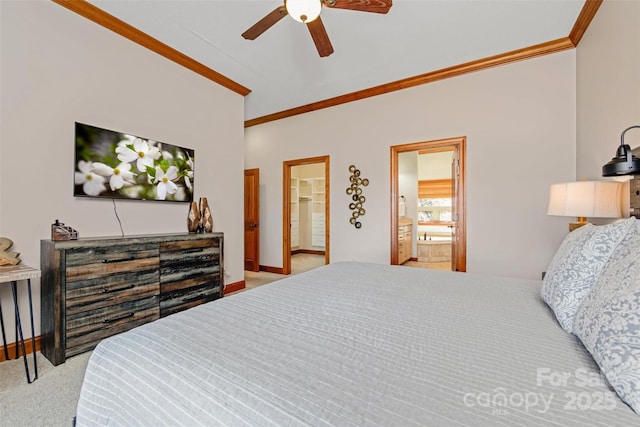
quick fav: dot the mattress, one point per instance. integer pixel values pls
(354, 344)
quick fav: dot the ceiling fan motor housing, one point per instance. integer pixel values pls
(304, 11)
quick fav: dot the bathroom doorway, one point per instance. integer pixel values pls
(428, 204)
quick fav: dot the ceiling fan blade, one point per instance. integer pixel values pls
(376, 6)
(265, 23)
(320, 37)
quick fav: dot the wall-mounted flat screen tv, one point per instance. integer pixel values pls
(111, 164)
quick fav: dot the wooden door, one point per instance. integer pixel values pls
(454, 210)
(252, 219)
(458, 235)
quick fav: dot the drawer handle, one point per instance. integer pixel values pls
(192, 250)
(124, 288)
(107, 261)
(126, 316)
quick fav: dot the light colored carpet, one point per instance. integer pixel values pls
(305, 262)
(299, 263)
(51, 400)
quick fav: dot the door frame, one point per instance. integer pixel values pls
(458, 144)
(255, 172)
(286, 207)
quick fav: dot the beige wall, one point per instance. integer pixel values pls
(57, 68)
(519, 120)
(608, 85)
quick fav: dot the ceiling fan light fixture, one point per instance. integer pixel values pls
(303, 11)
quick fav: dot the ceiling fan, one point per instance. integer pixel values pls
(308, 12)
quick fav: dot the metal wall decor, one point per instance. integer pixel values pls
(357, 198)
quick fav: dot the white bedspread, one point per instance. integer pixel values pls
(354, 344)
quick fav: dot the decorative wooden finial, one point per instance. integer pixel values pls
(8, 258)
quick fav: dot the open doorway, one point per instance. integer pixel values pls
(428, 204)
(305, 200)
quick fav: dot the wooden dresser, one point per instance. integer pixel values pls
(405, 239)
(93, 288)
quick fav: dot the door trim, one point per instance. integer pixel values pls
(459, 144)
(286, 207)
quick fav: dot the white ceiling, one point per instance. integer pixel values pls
(282, 67)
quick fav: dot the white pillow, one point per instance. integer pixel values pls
(577, 265)
(608, 321)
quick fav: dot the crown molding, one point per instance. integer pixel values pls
(444, 73)
(110, 22)
(579, 28)
(104, 19)
(584, 19)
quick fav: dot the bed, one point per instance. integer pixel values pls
(355, 344)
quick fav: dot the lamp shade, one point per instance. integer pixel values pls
(594, 199)
(303, 10)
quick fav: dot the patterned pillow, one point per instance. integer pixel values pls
(577, 265)
(608, 321)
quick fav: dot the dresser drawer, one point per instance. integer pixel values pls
(104, 260)
(95, 294)
(185, 259)
(190, 274)
(105, 276)
(195, 292)
(85, 329)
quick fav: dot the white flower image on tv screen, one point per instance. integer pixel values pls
(118, 165)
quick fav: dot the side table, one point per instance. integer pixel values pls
(13, 274)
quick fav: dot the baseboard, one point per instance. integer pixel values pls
(268, 269)
(233, 287)
(413, 259)
(12, 348)
(307, 251)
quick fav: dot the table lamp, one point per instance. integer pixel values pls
(582, 199)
